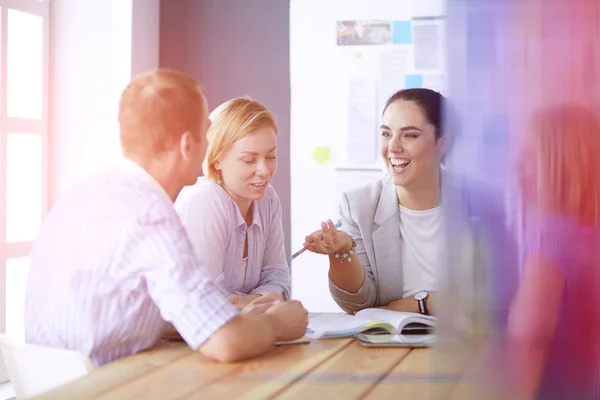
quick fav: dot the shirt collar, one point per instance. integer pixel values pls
(256, 220)
(133, 168)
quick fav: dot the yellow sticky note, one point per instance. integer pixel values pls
(321, 154)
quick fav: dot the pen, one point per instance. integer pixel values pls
(302, 250)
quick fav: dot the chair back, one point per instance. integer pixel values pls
(36, 369)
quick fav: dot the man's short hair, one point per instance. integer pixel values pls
(156, 108)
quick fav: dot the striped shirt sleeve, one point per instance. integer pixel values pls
(182, 289)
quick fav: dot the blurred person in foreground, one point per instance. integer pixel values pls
(113, 271)
(554, 322)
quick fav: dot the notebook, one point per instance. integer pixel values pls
(371, 321)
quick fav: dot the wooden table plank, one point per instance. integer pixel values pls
(265, 376)
(175, 380)
(477, 382)
(110, 376)
(334, 368)
(347, 375)
(423, 374)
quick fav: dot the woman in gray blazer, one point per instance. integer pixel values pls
(392, 243)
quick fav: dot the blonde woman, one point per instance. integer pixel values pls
(233, 215)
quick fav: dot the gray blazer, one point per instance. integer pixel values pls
(370, 214)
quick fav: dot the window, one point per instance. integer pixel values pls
(23, 150)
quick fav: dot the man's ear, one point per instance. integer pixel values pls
(185, 145)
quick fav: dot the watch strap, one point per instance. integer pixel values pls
(422, 304)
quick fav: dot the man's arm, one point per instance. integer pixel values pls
(249, 335)
(187, 297)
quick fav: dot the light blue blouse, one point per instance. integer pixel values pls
(217, 232)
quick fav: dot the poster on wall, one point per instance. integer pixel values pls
(429, 63)
(363, 33)
(427, 43)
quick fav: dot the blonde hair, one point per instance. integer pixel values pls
(230, 122)
(156, 108)
(564, 145)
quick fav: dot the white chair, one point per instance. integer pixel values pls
(36, 369)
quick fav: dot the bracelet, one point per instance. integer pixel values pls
(346, 256)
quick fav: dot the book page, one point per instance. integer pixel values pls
(340, 325)
(324, 323)
(396, 318)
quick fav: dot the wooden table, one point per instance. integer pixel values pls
(323, 369)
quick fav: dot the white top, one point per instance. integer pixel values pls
(241, 275)
(423, 242)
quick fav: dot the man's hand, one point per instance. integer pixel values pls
(246, 336)
(290, 320)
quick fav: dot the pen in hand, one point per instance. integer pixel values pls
(302, 250)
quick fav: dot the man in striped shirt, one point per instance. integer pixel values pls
(112, 270)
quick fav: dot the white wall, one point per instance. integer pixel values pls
(145, 35)
(236, 48)
(95, 45)
(319, 117)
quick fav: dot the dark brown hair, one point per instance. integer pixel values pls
(430, 102)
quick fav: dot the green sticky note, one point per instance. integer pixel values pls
(321, 154)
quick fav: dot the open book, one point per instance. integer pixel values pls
(371, 321)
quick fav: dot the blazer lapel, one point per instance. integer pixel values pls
(386, 245)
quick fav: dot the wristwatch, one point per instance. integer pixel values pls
(421, 298)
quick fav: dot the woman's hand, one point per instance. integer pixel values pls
(240, 302)
(235, 300)
(328, 240)
(261, 304)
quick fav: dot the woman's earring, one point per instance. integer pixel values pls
(218, 177)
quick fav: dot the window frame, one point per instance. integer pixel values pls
(20, 125)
